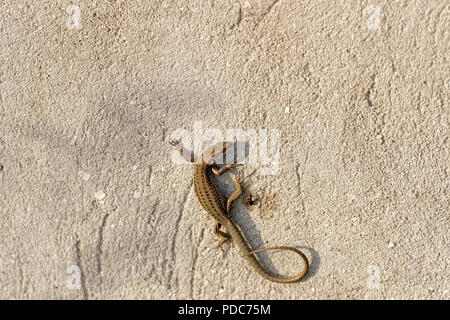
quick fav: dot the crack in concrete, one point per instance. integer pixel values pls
(269, 9)
(149, 175)
(177, 223)
(177, 227)
(20, 274)
(238, 20)
(194, 262)
(369, 91)
(80, 265)
(3, 183)
(299, 187)
(100, 244)
(152, 220)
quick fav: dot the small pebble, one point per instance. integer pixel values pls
(391, 245)
(287, 109)
(100, 195)
(84, 176)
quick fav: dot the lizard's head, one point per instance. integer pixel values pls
(216, 153)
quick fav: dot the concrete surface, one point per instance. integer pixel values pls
(93, 207)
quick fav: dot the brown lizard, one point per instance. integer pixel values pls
(215, 205)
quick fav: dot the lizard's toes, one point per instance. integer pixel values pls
(222, 241)
(238, 178)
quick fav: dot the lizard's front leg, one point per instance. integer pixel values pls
(238, 180)
(185, 153)
(219, 171)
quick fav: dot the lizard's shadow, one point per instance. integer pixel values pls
(241, 216)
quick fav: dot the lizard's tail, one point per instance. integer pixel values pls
(283, 279)
(250, 256)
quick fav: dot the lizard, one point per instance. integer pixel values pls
(215, 204)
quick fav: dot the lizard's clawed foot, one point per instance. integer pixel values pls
(223, 241)
(250, 200)
(239, 179)
(223, 237)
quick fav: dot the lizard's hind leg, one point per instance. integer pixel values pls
(223, 237)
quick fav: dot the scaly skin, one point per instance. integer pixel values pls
(215, 205)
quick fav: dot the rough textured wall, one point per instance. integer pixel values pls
(93, 207)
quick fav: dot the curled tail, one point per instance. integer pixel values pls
(283, 279)
(250, 256)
